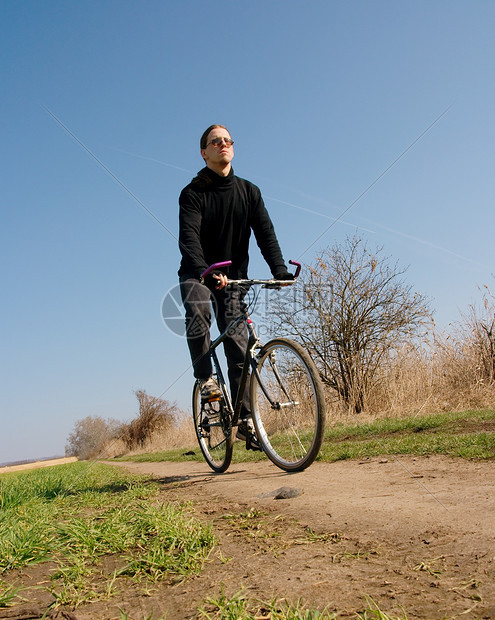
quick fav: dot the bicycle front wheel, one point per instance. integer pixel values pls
(214, 431)
(288, 404)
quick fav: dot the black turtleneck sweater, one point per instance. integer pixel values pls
(216, 217)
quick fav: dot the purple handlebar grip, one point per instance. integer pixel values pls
(297, 265)
(211, 268)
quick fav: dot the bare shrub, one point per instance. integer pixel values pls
(159, 425)
(375, 346)
(90, 435)
(180, 435)
(445, 372)
(465, 358)
(157, 418)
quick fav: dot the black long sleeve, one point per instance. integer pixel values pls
(216, 217)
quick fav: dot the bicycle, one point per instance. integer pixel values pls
(287, 400)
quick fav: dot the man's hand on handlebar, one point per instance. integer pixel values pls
(221, 279)
(283, 274)
(216, 280)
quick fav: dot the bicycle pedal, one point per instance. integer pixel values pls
(211, 399)
(252, 443)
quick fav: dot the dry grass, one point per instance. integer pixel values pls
(444, 377)
(159, 425)
(417, 381)
(167, 438)
(448, 371)
(445, 372)
(164, 437)
(454, 371)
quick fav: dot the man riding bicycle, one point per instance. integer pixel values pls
(218, 211)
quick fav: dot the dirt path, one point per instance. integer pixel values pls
(416, 533)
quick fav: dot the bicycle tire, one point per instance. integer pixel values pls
(290, 428)
(213, 431)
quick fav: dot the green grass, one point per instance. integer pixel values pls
(75, 515)
(373, 612)
(8, 594)
(239, 607)
(79, 514)
(467, 434)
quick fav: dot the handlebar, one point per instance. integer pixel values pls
(227, 263)
(206, 272)
(297, 266)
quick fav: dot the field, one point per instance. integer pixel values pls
(395, 521)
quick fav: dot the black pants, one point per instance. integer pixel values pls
(227, 305)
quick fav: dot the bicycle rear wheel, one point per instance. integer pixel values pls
(214, 431)
(288, 405)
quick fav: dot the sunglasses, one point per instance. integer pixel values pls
(219, 141)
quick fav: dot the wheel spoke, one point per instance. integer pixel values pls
(213, 431)
(288, 405)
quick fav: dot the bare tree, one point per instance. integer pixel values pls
(353, 310)
(90, 435)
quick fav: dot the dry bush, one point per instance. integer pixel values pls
(159, 425)
(434, 372)
(179, 435)
(444, 374)
(90, 436)
(156, 415)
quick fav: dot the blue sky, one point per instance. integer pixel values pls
(321, 98)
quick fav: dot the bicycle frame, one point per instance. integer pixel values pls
(253, 342)
(249, 361)
(286, 396)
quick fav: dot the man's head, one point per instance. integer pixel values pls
(217, 149)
